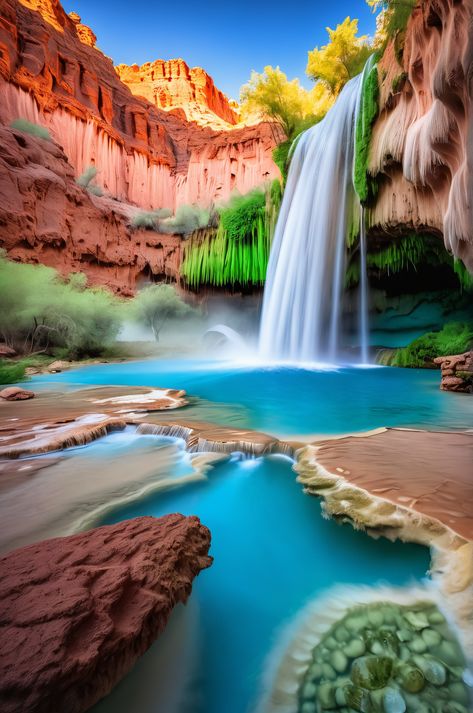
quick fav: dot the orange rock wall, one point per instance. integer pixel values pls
(173, 84)
(144, 154)
(422, 145)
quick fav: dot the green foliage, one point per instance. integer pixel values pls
(11, 372)
(157, 304)
(42, 312)
(398, 82)
(149, 219)
(341, 59)
(187, 219)
(281, 157)
(454, 338)
(85, 180)
(240, 215)
(365, 186)
(465, 278)
(28, 127)
(391, 22)
(236, 254)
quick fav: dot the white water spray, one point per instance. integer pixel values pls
(304, 287)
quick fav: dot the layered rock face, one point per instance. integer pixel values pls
(174, 85)
(46, 217)
(51, 74)
(422, 144)
(457, 372)
(77, 612)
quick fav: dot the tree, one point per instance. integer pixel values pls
(153, 306)
(341, 59)
(271, 95)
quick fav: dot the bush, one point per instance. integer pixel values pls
(187, 219)
(454, 338)
(11, 372)
(238, 217)
(41, 132)
(149, 219)
(42, 312)
(85, 181)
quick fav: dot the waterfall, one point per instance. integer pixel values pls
(302, 303)
(364, 332)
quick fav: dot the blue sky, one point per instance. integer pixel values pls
(227, 39)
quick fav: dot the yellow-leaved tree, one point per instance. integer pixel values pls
(271, 95)
(341, 59)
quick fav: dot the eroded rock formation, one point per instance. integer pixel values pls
(422, 143)
(77, 612)
(46, 217)
(174, 85)
(457, 372)
(52, 75)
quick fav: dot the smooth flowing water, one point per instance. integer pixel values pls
(303, 293)
(285, 401)
(273, 552)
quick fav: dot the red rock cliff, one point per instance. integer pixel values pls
(422, 144)
(46, 217)
(174, 85)
(51, 74)
(77, 612)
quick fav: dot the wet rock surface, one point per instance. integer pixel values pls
(16, 393)
(78, 611)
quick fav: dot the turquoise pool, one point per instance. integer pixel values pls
(285, 401)
(273, 552)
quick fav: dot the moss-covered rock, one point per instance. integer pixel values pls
(370, 662)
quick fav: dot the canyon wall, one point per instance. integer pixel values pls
(421, 151)
(51, 73)
(174, 85)
(45, 217)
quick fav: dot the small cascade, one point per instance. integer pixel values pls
(302, 307)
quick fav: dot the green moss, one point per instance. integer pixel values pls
(398, 82)
(281, 157)
(465, 278)
(454, 338)
(11, 372)
(365, 185)
(399, 12)
(369, 661)
(237, 252)
(28, 127)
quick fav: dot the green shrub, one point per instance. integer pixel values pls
(398, 14)
(29, 128)
(85, 180)
(365, 186)
(42, 312)
(187, 219)
(11, 372)
(454, 338)
(150, 219)
(239, 216)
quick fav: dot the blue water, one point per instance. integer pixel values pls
(288, 400)
(273, 552)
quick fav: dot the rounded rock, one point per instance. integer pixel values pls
(393, 702)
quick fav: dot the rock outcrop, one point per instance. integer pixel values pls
(77, 612)
(52, 75)
(422, 144)
(457, 372)
(15, 393)
(46, 217)
(174, 85)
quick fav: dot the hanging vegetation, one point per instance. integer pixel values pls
(365, 185)
(236, 253)
(454, 338)
(407, 253)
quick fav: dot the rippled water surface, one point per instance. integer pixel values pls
(286, 401)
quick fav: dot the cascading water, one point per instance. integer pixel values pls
(304, 285)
